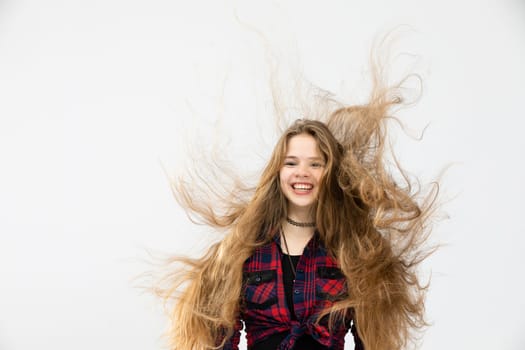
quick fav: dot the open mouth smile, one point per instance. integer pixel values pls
(302, 188)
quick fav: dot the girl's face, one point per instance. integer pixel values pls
(301, 172)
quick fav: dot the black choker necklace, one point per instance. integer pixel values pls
(300, 224)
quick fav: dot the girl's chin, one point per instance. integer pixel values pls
(299, 206)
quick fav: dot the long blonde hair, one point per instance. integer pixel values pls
(368, 214)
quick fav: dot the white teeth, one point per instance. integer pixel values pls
(302, 187)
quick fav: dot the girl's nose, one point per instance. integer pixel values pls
(302, 171)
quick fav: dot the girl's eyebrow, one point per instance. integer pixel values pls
(309, 158)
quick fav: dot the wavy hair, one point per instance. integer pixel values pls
(369, 215)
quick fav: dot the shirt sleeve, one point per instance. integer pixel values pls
(233, 342)
(357, 341)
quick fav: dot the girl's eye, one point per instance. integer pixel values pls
(317, 165)
(289, 163)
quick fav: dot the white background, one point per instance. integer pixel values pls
(95, 95)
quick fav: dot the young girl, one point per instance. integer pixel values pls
(327, 242)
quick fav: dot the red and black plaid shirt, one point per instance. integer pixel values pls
(318, 283)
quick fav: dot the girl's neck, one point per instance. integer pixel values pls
(301, 214)
(296, 237)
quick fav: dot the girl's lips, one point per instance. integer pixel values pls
(302, 186)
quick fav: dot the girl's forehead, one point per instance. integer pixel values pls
(303, 144)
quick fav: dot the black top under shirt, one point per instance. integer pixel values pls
(273, 341)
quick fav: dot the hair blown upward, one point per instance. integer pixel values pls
(372, 223)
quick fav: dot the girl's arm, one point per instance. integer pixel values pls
(357, 341)
(233, 342)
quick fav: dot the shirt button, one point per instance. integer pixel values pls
(258, 279)
(296, 291)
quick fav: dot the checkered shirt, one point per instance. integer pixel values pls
(318, 283)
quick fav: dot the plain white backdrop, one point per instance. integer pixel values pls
(96, 95)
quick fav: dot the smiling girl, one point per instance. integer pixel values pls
(327, 242)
